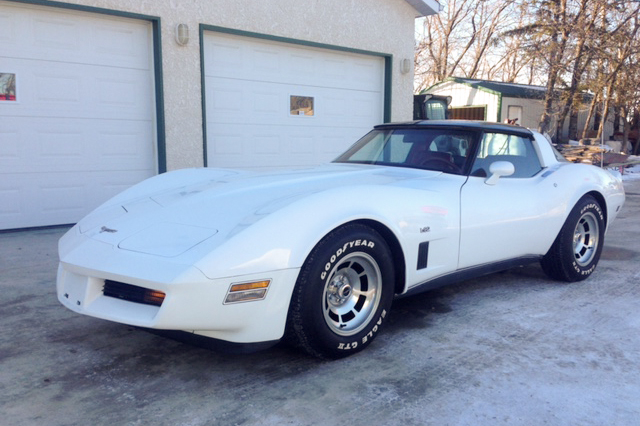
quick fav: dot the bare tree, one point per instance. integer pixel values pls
(583, 52)
(618, 44)
(549, 37)
(455, 42)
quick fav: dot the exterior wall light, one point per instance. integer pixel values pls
(405, 66)
(182, 34)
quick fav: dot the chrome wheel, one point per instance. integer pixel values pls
(586, 238)
(352, 293)
(343, 293)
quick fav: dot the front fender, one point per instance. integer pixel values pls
(284, 238)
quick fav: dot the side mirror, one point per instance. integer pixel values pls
(499, 169)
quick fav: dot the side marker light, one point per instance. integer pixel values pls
(247, 292)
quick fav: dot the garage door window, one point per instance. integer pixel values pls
(7, 86)
(302, 106)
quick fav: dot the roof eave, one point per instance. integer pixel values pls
(425, 7)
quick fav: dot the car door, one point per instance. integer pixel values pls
(508, 217)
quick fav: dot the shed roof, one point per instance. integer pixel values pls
(511, 90)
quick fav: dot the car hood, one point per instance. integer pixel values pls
(179, 210)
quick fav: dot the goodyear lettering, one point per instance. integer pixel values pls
(334, 257)
(366, 337)
(348, 346)
(583, 271)
(595, 207)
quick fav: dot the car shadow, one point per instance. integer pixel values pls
(420, 310)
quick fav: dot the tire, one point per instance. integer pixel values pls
(343, 293)
(575, 253)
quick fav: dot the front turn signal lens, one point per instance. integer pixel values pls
(154, 297)
(249, 286)
(246, 292)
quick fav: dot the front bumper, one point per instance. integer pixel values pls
(193, 302)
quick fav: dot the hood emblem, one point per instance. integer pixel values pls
(109, 230)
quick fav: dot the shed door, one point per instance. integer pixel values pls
(271, 104)
(478, 113)
(81, 127)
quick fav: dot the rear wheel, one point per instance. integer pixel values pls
(575, 253)
(343, 293)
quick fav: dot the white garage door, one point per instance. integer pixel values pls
(272, 104)
(81, 126)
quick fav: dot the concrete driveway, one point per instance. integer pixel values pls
(512, 348)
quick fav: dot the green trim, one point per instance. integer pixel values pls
(159, 92)
(205, 27)
(157, 62)
(388, 67)
(83, 8)
(203, 98)
(388, 83)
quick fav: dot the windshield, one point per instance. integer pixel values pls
(445, 150)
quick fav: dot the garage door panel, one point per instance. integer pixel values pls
(119, 147)
(234, 57)
(226, 100)
(220, 57)
(31, 199)
(268, 63)
(227, 142)
(11, 204)
(61, 149)
(233, 101)
(56, 33)
(367, 72)
(10, 145)
(55, 145)
(28, 198)
(252, 146)
(120, 44)
(81, 91)
(9, 25)
(50, 34)
(266, 103)
(302, 63)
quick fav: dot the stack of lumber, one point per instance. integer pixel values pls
(581, 153)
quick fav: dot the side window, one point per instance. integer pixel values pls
(504, 147)
(443, 150)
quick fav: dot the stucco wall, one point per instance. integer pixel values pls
(384, 26)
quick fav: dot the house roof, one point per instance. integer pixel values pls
(425, 7)
(511, 90)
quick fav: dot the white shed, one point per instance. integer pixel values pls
(485, 100)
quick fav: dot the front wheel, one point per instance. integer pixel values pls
(343, 293)
(576, 250)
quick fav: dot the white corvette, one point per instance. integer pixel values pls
(317, 256)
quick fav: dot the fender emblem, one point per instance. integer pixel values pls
(425, 229)
(105, 229)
